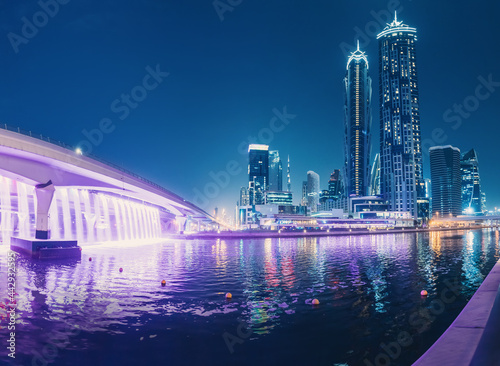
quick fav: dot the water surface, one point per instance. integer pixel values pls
(89, 313)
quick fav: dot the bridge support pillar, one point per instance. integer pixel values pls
(181, 221)
(44, 194)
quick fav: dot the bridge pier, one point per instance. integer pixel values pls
(181, 221)
(44, 194)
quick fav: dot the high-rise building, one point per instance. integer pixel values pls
(312, 191)
(401, 172)
(303, 201)
(335, 185)
(258, 172)
(483, 202)
(471, 184)
(375, 177)
(357, 127)
(428, 188)
(275, 172)
(244, 199)
(288, 181)
(446, 181)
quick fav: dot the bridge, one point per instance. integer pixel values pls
(49, 187)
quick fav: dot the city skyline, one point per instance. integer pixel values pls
(307, 85)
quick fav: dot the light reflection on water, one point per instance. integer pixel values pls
(367, 286)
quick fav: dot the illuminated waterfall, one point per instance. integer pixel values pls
(5, 209)
(77, 214)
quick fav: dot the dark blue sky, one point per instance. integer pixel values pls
(226, 77)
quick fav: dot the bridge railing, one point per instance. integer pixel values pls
(21, 131)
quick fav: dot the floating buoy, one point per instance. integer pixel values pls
(315, 302)
(90, 259)
(121, 269)
(229, 295)
(423, 293)
(163, 283)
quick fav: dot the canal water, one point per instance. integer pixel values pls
(87, 312)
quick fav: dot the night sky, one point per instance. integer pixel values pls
(228, 74)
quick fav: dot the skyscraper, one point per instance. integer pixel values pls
(312, 191)
(258, 172)
(275, 172)
(244, 200)
(401, 172)
(358, 120)
(375, 177)
(335, 185)
(471, 184)
(288, 181)
(303, 201)
(446, 181)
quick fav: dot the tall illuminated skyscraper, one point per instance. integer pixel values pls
(375, 177)
(335, 185)
(471, 184)
(275, 172)
(401, 173)
(446, 181)
(358, 120)
(258, 172)
(288, 181)
(313, 190)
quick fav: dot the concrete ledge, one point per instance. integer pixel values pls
(46, 249)
(458, 344)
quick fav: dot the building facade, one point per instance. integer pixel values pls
(446, 181)
(275, 172)
(335, 185)
(278, 198)
(375, 177)
(471, 184)
(357, 126)
(258, 172)
(312, 190)
(401, 172)
(244, 199)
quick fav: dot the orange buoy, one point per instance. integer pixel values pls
(163, 283)
(121, 269)
(315, 302)
(423, 293)
(229, 295)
